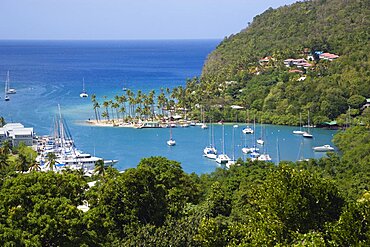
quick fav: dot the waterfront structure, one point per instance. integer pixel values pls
(16, 133)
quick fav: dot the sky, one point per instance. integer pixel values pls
(128, 19)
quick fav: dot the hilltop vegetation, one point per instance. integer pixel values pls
(234, 75)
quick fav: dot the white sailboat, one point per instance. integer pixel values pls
(203, 125)
(300, 131)
(171, 141)
(223, 158)
(307, 133)
(210, 151)
(6, 97)
(9, 90)
(233, 160)
(264, 156)
(63, 146)
(248, 150)
(83, 94)
(260, 140)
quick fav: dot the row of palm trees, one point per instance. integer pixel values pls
(131, 106)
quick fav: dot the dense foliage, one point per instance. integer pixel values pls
(233, 74)
(316, 203)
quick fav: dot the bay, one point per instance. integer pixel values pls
(48, 73)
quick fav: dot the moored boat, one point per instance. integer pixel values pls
(324, 148)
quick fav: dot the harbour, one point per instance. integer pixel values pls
(48, 79)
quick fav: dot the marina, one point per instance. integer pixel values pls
(38, 93)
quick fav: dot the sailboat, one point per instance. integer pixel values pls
(300, 131)
(67, 155)
(204, 125)
(8, 89)
(223, 158)
(260, 140)
(210, 151)
(247, 129)
(83, 94)
(232, 161)
(253, 149)
(6, 97)
(307, 134)
(264, 156)
(171, 141)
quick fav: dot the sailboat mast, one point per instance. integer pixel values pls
(7, 81)
(61, 128)
(223, 139)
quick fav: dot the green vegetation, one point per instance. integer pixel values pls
(233, 74)
(316, 203)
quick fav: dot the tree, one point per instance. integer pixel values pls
(99, 168)
(22, 163)
(51, 158)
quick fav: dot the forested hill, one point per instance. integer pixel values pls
(339, 27)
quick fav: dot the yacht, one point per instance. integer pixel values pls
(83, 94)
(260, 141)
(223, 158)
(264, 157)
(254, 155)
(248, 150)
(9, 90)
(171, 141)
(300, 131)
(247, 130)
(6, 97)
(210, 151)
(307, 135)
(67, 154)
(324, 148)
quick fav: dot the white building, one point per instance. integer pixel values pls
(16, 133)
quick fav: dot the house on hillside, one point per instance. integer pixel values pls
(328, 56)
(366, 105)
(264, 61)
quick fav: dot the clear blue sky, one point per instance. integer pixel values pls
(128, 19)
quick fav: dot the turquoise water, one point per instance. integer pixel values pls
(48, 73)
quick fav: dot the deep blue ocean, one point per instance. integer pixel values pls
(48, 73)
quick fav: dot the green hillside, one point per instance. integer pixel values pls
(233, 73)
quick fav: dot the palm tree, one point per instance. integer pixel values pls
(35, 166)
(115, 105)
(106, 105)
(100, 168)
(110, 102)
(95, 106)
(6, 148)
(151, 101)
(51, 157)
(3, 160)
(22, 164)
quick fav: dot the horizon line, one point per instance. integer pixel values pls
(129, 39)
